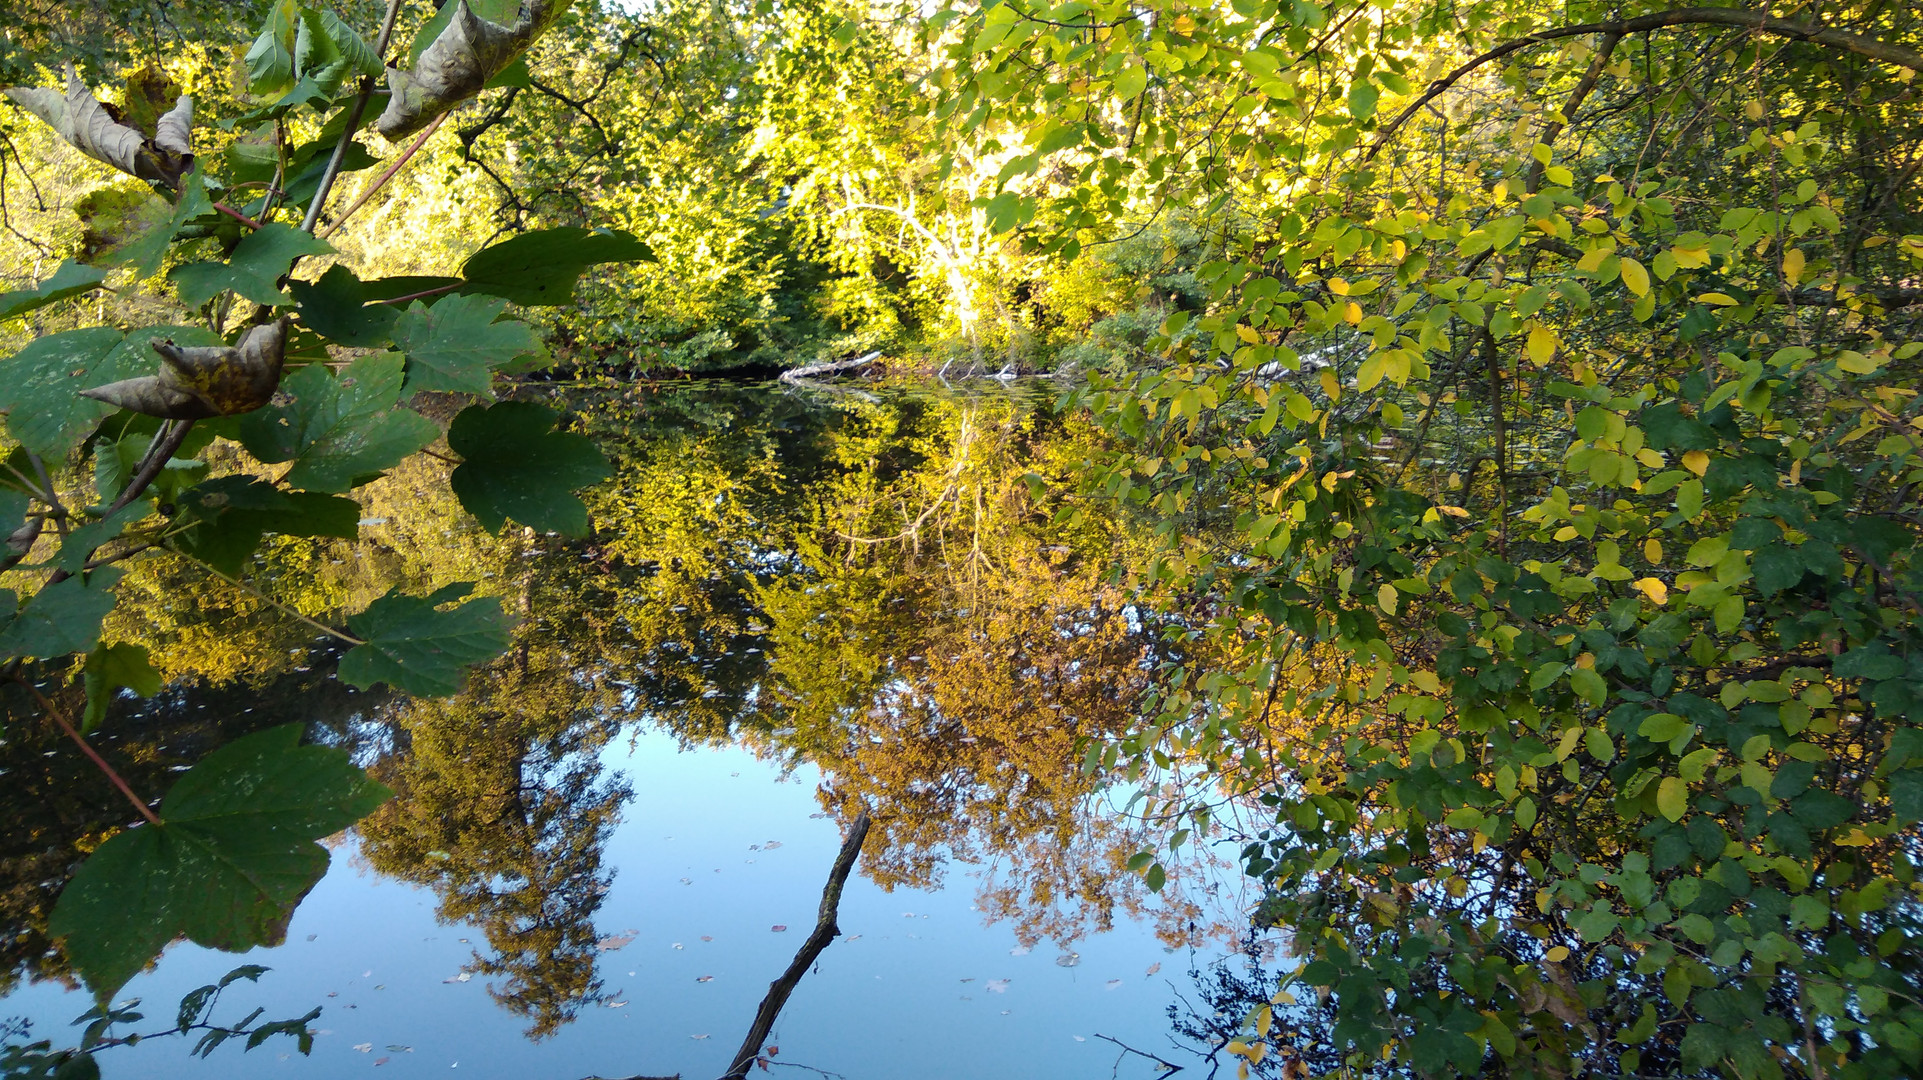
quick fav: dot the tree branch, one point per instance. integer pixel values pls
(1739, 18)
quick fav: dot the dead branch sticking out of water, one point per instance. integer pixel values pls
(796, 375)
(825, 931)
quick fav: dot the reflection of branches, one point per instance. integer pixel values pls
(1169, 1068)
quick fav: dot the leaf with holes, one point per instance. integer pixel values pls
(338, 431)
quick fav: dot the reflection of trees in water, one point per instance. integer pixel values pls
(57, 807)
(941, 677)
(502, 809)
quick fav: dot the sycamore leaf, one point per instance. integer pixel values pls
(336, 308)
(61, 618)
(459, 62)
(516, 466)
(541, 267)
(110, 668)
(337, 430)
(70, 279)
(411, 645)
(234, 853)
(254, 269)
(40, 394)
(457, 344)
(271, 68)
(223, 520)
(146, 252)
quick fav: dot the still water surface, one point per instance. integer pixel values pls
(797, 604)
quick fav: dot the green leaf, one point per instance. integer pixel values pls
(271, 67)
(68, 279)
(233, 855)
(81, 543)
(541, 267)
(223, 520)
(146, 252)
(61, 618)
(110, 668)
(337, 430)
(40, 392)
(1362, 99)
(516, 466)
(456, 344)
(253, 271)
(336, 308)
(412, 646)
(1131, 81)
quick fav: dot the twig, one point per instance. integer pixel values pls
(159, 452)
(354, 112)
(244, 587)
(386, 175)
(825, 932)
(87, 749)
(1170, 1067)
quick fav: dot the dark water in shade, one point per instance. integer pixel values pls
(798, 603)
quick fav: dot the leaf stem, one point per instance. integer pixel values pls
(87, 749)
(386, 175)
(237, 215)
(354, 112)
(257, 594)
(423, 293)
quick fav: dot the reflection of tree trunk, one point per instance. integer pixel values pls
(825, 932)
(778, 991)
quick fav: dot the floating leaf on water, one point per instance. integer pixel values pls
(1069, 959)
(705, 937)
(697, 1036)
(778, 928)
(382, 1060)
(364, 1047)
(996, 986)
(1153, 968)
(616, 1004)
(1112, 984)
(704, 978)
(615, 941)
(1019, 950)
(771, 845)
(399, 1049)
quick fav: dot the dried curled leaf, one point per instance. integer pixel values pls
(459, 63)
(87, 125)
(197, 382)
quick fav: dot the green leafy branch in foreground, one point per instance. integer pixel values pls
(313, 383)
(41, 1060)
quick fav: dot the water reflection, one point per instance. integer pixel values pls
(898, 589)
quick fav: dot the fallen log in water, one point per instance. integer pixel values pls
(795, 375)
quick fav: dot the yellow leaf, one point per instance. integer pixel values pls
(1696, 461)
(1264, 1017)
(1453, 511)
(1329, 384)
(1653, 551)
(1385, 598)
(1690, 258)
(1654, 589)
(1556, 955)
(1243, 331)
(1650, 458)
(1753, 110)
(1635, 278)
(1717, 299)
(1352, 313)
(1793, 265)
(1672, 797)
(1370, 373)
(1593, 258)
(1338, 286)
(1542, 344)
(1426, 681)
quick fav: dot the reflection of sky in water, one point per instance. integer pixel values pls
(905, 992)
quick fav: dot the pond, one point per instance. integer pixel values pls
(800, 605)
